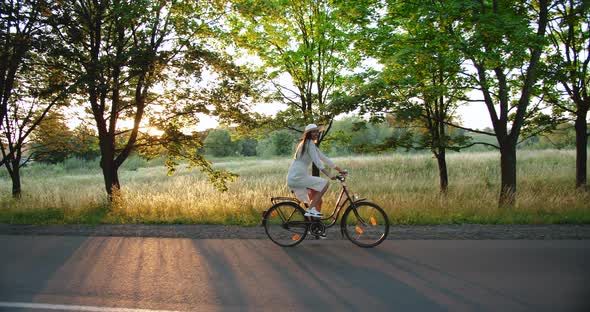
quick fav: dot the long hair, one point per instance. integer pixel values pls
(302, 145)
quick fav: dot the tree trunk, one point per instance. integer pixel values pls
(581, 149)
(314, 170)
(442, 169)
(109, 167)
(508, 169)
(111, 177)
(15, 177)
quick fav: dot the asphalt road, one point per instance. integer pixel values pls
(52, 273)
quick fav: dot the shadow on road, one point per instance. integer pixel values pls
(29, 265)
(311, 277)
(241, 275)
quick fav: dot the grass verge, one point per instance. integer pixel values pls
(406, 186)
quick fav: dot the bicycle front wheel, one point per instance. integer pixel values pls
(365, 224)
(285, 224)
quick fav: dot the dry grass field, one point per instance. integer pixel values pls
(405, 185)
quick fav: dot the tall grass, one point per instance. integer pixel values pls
(406, 186)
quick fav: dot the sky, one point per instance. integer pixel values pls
(473, 115)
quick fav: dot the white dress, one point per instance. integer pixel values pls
(298, 178)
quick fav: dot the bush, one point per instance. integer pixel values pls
(218, 143)
(278, 143)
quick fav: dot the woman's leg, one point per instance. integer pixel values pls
(316, 198)
(318, 205)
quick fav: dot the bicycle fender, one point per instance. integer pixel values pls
(263, 220)
(265, 212)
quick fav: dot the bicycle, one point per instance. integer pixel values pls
(363, 223)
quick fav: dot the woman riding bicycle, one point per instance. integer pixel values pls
(304, 186)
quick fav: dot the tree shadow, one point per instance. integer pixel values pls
(29, 262)
(450, 288)
(261, 278)
(154, 273)
(235, 275)
(356, 283)
(256, 274)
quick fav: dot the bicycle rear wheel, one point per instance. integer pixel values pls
(365, 224)
(285, 224)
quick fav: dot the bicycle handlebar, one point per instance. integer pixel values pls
(342, 177)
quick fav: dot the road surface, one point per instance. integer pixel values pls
(74, 273)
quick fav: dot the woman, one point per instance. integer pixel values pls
(304, 186)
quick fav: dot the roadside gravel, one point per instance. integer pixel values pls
(199, 231)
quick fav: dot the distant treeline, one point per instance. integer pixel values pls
(350, 135)
(353, 135)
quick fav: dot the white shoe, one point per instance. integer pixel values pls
(311, 212)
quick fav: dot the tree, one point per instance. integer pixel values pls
(305, 48)
(277, 143)
(283, 142)
(355, 134)
(563, 136)
(31, 85)
(420, 82)
(567, 71)
(218, 143)
(123, 49)
(19, 31)
(53, 141)
(85, 143)
(503, 42)
(28, 106)
(247, 146)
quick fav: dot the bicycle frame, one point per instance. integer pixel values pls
(340, 203)
(318, 226)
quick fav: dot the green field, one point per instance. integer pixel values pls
(405, 185)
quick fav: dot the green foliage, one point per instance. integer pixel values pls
(305, 50)
(566, 76)
(566, 65)
(355, 135)
(178, 146)
(218, 143)
(278, 143)
(421, 83)
(283, 142)
(150, 60)
(247, 146)
(31, 84)
(154, 60)
(53, 141)
(564, 136)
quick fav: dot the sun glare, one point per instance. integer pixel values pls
(154, 132)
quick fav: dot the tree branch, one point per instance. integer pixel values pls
(480, 143)
(461, 127)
